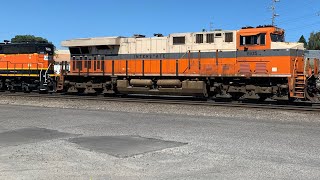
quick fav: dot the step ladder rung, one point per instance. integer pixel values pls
(298, 97)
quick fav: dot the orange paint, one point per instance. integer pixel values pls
(23, 62)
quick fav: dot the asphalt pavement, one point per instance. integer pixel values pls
(54, 143)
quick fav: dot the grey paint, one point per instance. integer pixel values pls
(123, 146)
(312, 54)
(272, 52)
(229, 54)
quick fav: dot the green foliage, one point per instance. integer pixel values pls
(28, 38)
(303, 40)
(314, 41)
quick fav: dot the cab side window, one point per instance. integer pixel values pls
(248, 40)
(263, 39)
(259, 39)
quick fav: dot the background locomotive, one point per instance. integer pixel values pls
(250, 63)
(26, 67)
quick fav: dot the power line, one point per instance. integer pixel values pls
(298, 18)
(307, 25)
(304, 25)
(273, 8)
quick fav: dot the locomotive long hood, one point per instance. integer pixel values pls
(92, 41)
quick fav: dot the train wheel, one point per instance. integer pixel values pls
(312, 96)
(2, 86)
(26, 90)
(236, 96)
(263, 97)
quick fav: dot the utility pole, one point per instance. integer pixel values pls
(273, 8)
(211, 26)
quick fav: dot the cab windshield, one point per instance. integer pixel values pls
(277, 38)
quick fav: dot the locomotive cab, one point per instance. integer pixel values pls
(266, 45)
(264, 37)
(250, 38)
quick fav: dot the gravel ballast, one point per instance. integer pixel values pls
(216, 111)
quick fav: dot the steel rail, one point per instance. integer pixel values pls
(176, 101)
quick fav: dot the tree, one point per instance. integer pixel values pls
(303, 40)
(29, 38)
(314, 41)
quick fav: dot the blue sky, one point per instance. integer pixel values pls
(58, 20)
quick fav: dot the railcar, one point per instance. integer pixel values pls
(26, 67)
(250, 63)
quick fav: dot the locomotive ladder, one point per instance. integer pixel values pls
(299, 81)
(63, 71)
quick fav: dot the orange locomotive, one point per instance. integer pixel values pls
(250, 63)
(26, 66)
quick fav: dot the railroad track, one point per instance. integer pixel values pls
(315, 107)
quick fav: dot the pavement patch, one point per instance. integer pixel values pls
(123, 146)
(29, 135)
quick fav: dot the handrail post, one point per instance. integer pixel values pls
(87, 67)
(316, 66)
(199, 59)
(189, 56)
(7, 68)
